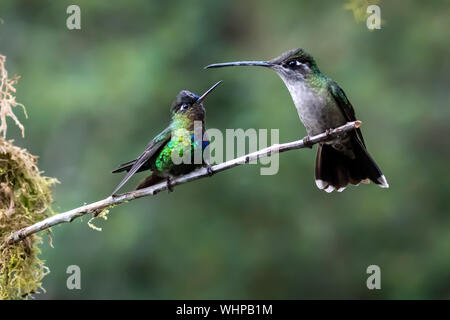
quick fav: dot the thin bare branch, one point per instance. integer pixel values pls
(96, 207)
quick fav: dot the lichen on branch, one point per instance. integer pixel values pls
(25, 199)
(8, 100)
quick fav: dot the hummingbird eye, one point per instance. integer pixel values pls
(184, 107)
(293, 63)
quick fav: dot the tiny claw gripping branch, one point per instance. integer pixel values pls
(169, 184)
(307, 142)
(209, 170)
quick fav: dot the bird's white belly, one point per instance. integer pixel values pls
(317, 109)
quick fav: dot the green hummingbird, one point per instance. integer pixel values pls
(321, 105)
(178, 139)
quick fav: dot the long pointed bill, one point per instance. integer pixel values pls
(200, 100)
(240, 63)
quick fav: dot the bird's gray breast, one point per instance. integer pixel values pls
(316, 107)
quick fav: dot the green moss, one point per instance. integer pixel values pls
(25, 199)
(103, 214)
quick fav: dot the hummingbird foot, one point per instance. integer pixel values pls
(307, 142)
(169, 185)
(209, 170)
(328, 132)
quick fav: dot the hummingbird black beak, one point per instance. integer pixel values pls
(240, 63)
(200, 100)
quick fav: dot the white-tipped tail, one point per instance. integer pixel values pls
(383, 182)
(321, 184)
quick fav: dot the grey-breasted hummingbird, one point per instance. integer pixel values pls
(321, 105)
(178, 138)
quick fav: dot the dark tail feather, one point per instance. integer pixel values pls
(335, 170)
(128, 165)
(149, 181)
(125, 166)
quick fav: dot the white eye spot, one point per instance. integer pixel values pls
(184, 107)
(294, 63)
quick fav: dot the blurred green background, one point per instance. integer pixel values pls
(96, 96)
